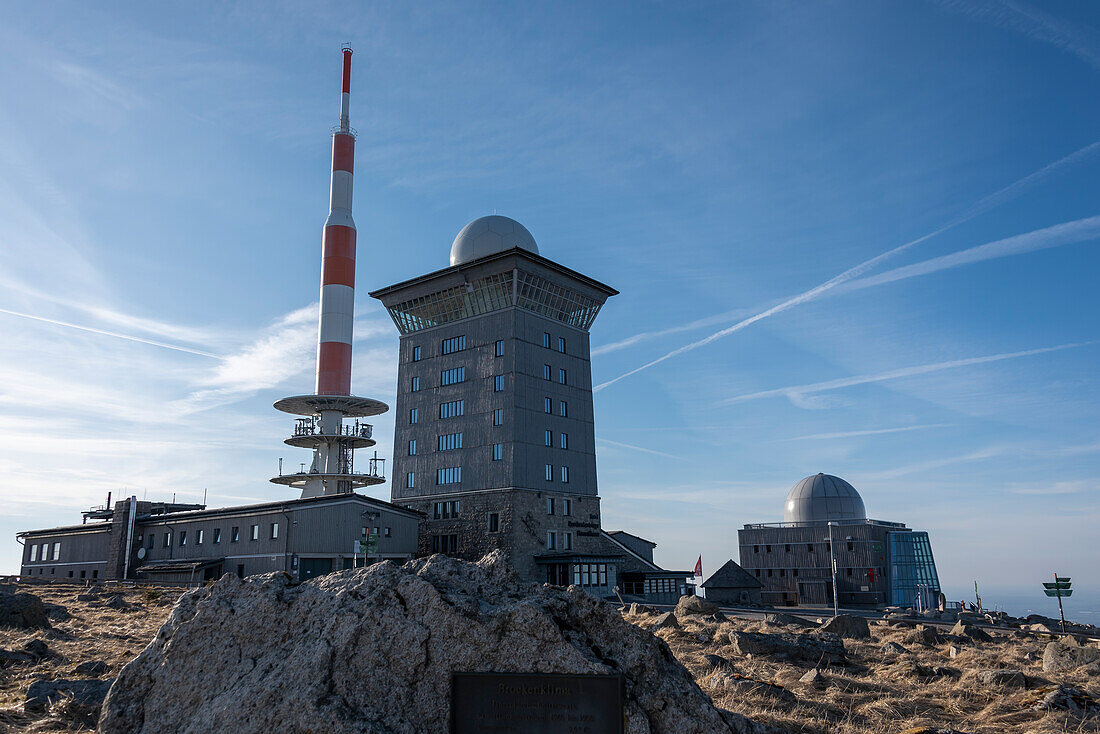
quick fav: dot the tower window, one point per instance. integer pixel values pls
(563, 440)
(549, 438)
(494, 522)
(810, 547)
(565, 474)
(546, 339)
(235, 535)
(549, 472)
(498, 417)
(548, 405)
(546, 372)
(416, 383)
(549, 505)
(168, 540)
(414, 415)
(445, 543)
(498, 451)
(410, 479)
(454, 344)
(500, 348)
(416, 354)
(201, 537)
(561, 344)
(567, 541)
(255, 533)
(412, 447)
(274, 530)
(563, 408)
(452, 409)
(498, 383)
(561, 377)
(449, 475)
(567, 507)
(217, 535)
(183, 538)
(452, 376)
(446, 510)
(551, 540)
(450, 441)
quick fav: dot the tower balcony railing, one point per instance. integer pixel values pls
(311, 427)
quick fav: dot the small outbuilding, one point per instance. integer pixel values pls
(732, 584)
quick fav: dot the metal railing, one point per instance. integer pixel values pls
(310, 427)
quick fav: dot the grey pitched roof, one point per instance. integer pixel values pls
(732, 576)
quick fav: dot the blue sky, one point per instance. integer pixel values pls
(857, 238)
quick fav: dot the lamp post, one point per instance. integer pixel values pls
(832, 559)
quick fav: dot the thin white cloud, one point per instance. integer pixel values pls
(983, 205)
(104, 332)
(798, 391)
(638, 448)
(869, 432)
(1080, 230)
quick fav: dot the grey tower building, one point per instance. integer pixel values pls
(494, 436)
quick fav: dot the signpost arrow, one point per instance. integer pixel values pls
(1059, 588)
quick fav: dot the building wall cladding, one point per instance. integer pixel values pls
(81, 552)
(732, 596)
(781, 557)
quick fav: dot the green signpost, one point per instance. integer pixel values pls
(1060, 588)
(368, 546)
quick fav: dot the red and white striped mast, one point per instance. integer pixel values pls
(323, 429)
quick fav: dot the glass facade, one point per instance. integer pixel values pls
(493, 293)
(912, 569)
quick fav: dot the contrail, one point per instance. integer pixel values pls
(981, 206)
(922, 369)
(116, 335)
(869, 432)
(638, 448)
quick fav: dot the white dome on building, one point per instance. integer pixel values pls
(490, 234)
(821, 498)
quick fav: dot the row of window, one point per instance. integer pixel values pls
(452, 376)
(446, 510)
(458, 344)
(563, 439)
(456, 375)
(45, 552)
(449, 475)
(53, 572)
(564, 473)
(552, 540)
(457, 408)
(448, 442)
(590, 574)
(548, 407)
(566, 506)
(200, 535)
(870, 573)
(809, 547)
(547, 371)
(452, 441)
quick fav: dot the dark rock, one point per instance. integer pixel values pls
(91, 669)
(786, 620)
(1067, 654)
(814, 678)
(943, 671)
(666, 620)
(57, 612)
(817, 649)
(1062, 698)
(740, 684)
(892, 648)
(847, 626)
(718, 617)
(14, 657)
(38, 648)
(43, 693)
(926, 635)
(1003, 678)
(23, 611)
(717, 662)
(962, 629)
(694, 605)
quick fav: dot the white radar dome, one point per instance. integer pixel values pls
(821, 498)
(487, 235)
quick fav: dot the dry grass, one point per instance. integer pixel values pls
(94, 630)
(875, 693)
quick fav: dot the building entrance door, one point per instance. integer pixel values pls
(312, 567)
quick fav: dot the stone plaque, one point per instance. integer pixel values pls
(536, 703)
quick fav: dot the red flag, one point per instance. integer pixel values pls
(699, 567)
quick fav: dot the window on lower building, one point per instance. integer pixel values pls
(567, 507)
(494, 522)
(851, 546)
(255, 533)
(34, 552)
(445, 543)
(416, 383)
(810, 547)
(83, 574)
(787, 547)
(546, 339)
(500, 348)
(446, 510)
(234, 535)
(498, 417)
(563, 409)
(386, 533)
(563, 440)
(56, 551)
(548, 438)
(548, 405)
(562, 377)
(756, 549)
(274, 530)
(767, 549)
(782, 573)
(769, 573)
(416, 354)
(200, 536)
(410, 479)
(498, 383)
(561, 344)
(549, 472)
(449, 475)
(546, 372)
(183, 537)
(498, 451)
(551, 540)
(567, 541)
(758, 573)
(849, 572)
(70, 573)
(565, 475)
(95, 573)
(412, 447)
(414, 415)
(549, 505)
(794, 572)
(217, 535)
(168, 540)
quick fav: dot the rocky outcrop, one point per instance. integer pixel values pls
(23, 611)
(1068, 654)
(1001, 678)
(1063, 698)
(693, 605)
(665, 621)
(786, 620)
(892, 648)
(85, 693)
(969, 631)
(815, 650)
(847, 626)
(372, 650)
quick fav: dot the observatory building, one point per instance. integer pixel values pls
(877, 562)
(494, 439)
